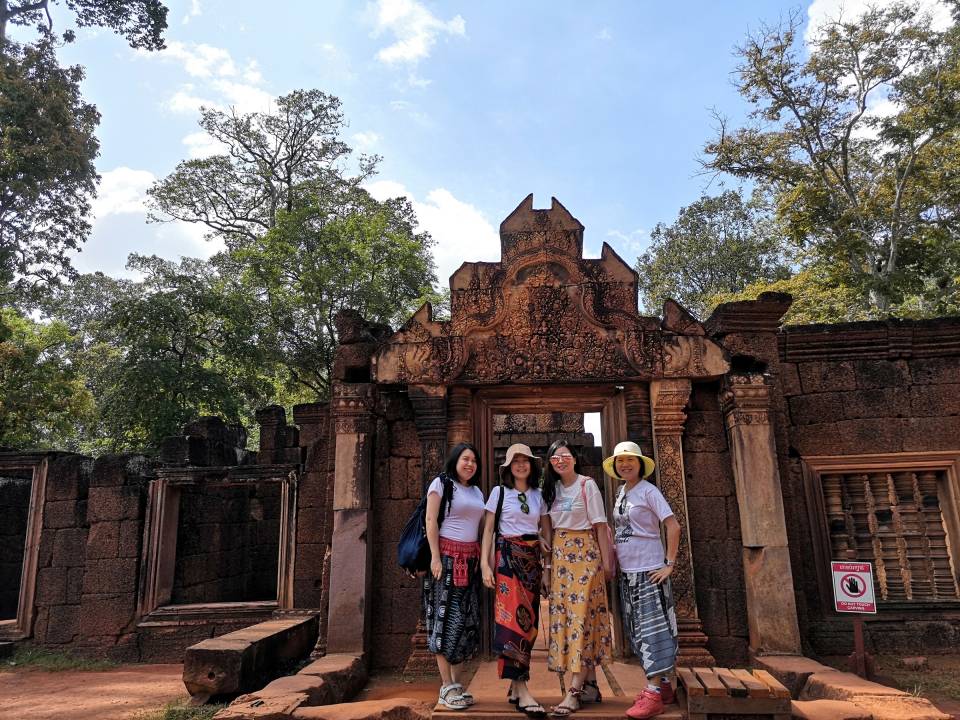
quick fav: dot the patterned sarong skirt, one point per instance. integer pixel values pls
(453, 610)
(579, 618)
(516, 608)
(649, 621)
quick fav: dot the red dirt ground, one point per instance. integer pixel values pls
(102, 695)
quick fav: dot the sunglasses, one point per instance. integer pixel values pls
(522, 497)
(558, 458)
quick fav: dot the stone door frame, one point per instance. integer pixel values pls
(605, 398)
(21, 627)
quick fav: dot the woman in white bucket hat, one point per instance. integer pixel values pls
(512, 528)
(646, 596)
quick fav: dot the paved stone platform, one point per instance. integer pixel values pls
(619, 685)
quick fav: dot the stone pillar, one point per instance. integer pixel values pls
(430, 416)
(771, 605)
(668, 398)
(351, 567)
(636, 398)
(460, 427)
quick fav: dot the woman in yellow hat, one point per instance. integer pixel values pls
(513, 513)
(646, 597)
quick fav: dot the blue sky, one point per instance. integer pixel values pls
(473, 105)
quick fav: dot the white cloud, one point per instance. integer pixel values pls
(410, 110)
(202, 60)
(242, 96)
(184, 101)
(821, 12)
(628, 244)
(366, 140)
(195, 10)
(604, 34)
(414, 28)
(460, 231)
(200, 145)
(122, 190)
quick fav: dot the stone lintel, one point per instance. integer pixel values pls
(350, 582)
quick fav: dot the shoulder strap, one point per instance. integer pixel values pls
(496, 517)
(446, 498)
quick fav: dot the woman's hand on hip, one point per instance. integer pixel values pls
(661, 574)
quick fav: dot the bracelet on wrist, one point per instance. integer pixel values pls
(669, 563)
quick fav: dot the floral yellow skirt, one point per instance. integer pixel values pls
(579, 615)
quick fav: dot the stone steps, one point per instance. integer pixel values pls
(7, 649)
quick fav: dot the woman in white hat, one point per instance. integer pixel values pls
(512, 525)
(646, 597)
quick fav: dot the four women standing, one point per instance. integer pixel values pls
(561, 524)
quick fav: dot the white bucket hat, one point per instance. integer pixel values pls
(628, 448)
(520, 449)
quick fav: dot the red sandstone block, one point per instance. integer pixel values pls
(106, 615)
(128, 545)
(390, 651)
(876, 373)
(708, 518)
(820, 439)
(110, 576)
(67, 477)
(871, 435)
(63, 624)
(712, 608)
(816, 408)
(74, 584)
(103, 540)
(397, 478)
(708, 474)
(62, 514)
(829, 376)
(790, 380)
(930, 433)
(404, 441)
(108, 503)
(935, 370)
(69, 547)
(388, 709)
(733, 518)
(931, 400)
(51, 586)
(879, 402)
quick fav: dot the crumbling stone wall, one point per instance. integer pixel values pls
(714, 528)
(15, 486)
(227, 543)
(861, 388)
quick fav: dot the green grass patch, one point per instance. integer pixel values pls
(35, 658)
(942, 679)
(178, 710)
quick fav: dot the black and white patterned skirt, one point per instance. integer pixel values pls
(453, 613)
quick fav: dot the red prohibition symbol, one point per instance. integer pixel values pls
(853, 585)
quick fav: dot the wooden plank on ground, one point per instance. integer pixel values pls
(775, 685)
(690, 682)
(710, 681)
(755, 688)
(734, 686)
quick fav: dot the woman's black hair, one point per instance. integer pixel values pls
(550, 476)
(450, 468)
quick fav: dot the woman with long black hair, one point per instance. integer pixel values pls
(580, 638)
(452, 588)
(513, 518)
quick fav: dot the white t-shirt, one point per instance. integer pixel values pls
(568, 512)
(637, 528)
(513, 521)
(463, 517)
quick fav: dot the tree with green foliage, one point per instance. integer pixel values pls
(718, 244)
(159, 352)
(302, 234)
(47, 176)
(141, 22)
(43, 401)
(871, 197)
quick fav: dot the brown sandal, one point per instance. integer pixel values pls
(562, 711)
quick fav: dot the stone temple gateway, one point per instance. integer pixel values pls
(779, 448)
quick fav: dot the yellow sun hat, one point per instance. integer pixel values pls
(628, 448)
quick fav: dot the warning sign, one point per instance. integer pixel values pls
(853, 587)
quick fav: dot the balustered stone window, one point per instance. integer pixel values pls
(896, 511)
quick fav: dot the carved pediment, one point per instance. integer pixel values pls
(546, 314)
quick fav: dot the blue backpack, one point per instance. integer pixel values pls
(413, 549)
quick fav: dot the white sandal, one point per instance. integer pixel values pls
(451, 697)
